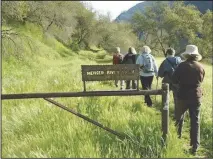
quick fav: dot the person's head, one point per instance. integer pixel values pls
(170, 52)
(117, 50)
(132, 50)
(145, 49)
(191, 53)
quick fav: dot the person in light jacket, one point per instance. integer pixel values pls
(148, 68)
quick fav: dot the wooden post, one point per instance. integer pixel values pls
(84, 86)
(165, 110)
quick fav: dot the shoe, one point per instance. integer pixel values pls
(122, 88)
(116, 85)
(149, 105)
(194, 151)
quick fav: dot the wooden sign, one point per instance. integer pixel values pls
(110, 72)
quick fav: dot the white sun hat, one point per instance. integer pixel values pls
(191, 51)
(146, 49)
(133, 50)
(117, 50)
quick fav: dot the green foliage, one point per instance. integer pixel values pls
(126, 16)
(169, 26)
(205, 42)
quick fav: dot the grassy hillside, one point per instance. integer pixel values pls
(33, 128)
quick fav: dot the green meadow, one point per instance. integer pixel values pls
(34, 128)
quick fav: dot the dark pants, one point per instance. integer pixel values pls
(175, 102)
(174, 89)
(193, 106)
(146, 83)
(134, 84)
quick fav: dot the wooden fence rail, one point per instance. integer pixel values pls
(81, 94)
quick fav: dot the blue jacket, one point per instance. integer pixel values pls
(165, 67)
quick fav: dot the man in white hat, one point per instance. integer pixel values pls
(189, 75)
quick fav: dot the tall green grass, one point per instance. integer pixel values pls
(34, 128)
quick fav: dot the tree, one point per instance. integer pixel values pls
(205, 40)
(84, 28)
(167, 26)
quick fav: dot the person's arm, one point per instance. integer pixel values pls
(203, 74)
(155, 67)
(124, 58)
(161, 70)
(175, 76)
(113, 60)
(140, 61)
(134, 59)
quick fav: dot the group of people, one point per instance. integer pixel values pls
(183, 76)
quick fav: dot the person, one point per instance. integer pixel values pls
(130, 58)
(117, 59)
(148, 68)
(189, 75)
(166, 70)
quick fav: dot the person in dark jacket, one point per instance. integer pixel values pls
(130, 58)
(189, 75)
(166, 70)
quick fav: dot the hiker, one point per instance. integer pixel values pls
(189, 75)
(130, 58)
(117, 59)
(166, 70)
(148, 68)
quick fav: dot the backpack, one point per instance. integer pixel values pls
(148, 63)
(171, 71)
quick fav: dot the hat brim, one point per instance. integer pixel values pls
(186, 55)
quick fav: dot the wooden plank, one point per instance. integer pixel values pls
(110, 72)
(81, 94)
